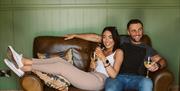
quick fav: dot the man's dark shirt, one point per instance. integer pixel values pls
(134, 56)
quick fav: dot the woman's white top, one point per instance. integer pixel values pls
(100, 66)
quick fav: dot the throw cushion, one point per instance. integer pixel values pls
(54, 81)
(67, 55)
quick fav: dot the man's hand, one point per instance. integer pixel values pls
(160, 61)
(153, 67)
(69, 36)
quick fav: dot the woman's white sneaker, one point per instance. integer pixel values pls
(15, 57)
(17, 71)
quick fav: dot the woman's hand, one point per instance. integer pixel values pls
(69, 36)
(99, 53)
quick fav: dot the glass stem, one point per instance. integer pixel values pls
(147, 74)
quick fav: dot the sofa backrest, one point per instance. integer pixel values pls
(82, 49)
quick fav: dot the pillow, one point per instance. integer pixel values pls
(67, 55)
(55, 81)
(41, 55)
(81, 58)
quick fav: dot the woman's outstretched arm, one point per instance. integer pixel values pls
(88, 37)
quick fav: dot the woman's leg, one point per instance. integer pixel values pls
(28, 62)
(78, 78)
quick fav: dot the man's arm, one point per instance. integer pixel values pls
(88, 37)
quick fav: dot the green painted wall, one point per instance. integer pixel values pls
(22, 20)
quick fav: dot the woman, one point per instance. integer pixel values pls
(108, 64)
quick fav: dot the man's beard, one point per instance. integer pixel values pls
(133, 40)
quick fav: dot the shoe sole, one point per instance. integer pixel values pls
(18, 72)
(12, 57)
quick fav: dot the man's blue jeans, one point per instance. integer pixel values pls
(125, 81)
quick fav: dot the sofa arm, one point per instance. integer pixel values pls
(30, 82)
(162, 80)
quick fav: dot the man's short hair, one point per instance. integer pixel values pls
(134, 21)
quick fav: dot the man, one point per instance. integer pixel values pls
(132, 72)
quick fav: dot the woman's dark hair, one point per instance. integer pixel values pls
(134, 21)
(115, 36)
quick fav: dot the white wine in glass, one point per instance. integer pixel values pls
(147, 64)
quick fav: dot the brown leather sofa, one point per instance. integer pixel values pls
(162, 79)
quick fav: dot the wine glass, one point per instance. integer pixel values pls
(147, 64)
